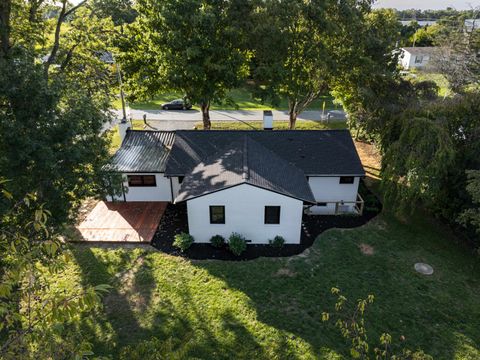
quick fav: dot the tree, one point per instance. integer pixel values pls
(458, 56)
(425, 36)
(196, 47)
(471, 216)
(368, 84)
(351, 324)
(52, 111)
(39, 309)
(291, 54)
(120, 11)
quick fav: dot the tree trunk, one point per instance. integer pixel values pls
(205, 107)
(292, 119)
(292, 113)
(5, 8)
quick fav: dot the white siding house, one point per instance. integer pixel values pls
(245, 214)
(160, 190)
(256, 183)
(416, 57)
(331, 191)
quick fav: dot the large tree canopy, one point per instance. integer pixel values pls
(196, 47)
(54, 98)
(300, 46)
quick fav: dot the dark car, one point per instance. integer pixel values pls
(178, 104)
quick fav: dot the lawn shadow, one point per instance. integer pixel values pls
(139, 307)
(291, 294)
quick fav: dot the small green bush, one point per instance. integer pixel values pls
(277, 242)
(217, 241)
(237, 243)
(183, 241)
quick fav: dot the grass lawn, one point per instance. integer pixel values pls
(439, 79)
(271, 308)
(278, 125)
(242, 97)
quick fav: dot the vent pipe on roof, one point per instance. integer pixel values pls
(267, 120)
(123, 126)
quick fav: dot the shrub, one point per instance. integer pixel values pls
(237, 243)
(217, 241)
(277, 242)
(183, 241)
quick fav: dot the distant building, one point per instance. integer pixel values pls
(416, 57)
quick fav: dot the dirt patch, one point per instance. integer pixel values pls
(285, 272)
(370, 157)
(366, 249)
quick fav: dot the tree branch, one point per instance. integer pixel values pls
(56, 44)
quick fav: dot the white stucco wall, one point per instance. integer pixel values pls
(244, 214)
(328, 189)
(175, 186)
(161, 192)
(408, 61)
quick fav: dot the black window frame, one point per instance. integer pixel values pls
(142, 182)
(222, 221)
(347, 179)
(267, 220)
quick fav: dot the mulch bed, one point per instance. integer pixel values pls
(174, 221)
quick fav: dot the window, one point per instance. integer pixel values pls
(418, 59)
(272, 214)
(180, 179)
(141, 180)
(346, 179)
(217, 214)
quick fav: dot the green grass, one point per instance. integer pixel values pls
(278, 125)
(271, 308)
(242, 97)
(439, 79)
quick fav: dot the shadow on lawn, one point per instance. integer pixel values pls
(180, 323)
(437, 314)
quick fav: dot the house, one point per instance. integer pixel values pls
(416, 57)
(257, 183)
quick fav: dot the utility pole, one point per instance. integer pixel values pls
(122, 95)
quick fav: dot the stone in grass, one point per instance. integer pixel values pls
(423, 268)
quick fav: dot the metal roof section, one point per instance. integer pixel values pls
(143, 151)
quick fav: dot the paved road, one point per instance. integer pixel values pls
(172, 120)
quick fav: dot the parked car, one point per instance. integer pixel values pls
(178, 104)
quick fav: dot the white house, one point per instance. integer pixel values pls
(257, 183)
(416, 57)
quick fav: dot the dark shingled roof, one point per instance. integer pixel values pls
(245, 161)
(315, 152)
(143, 151)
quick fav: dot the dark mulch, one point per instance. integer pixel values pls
(174, 221)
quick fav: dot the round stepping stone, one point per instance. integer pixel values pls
(424, 269)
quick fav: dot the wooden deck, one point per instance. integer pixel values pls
(122, 221)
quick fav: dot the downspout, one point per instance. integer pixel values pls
(171, 189)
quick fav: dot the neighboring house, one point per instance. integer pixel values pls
(416, 57)
(257, 183)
